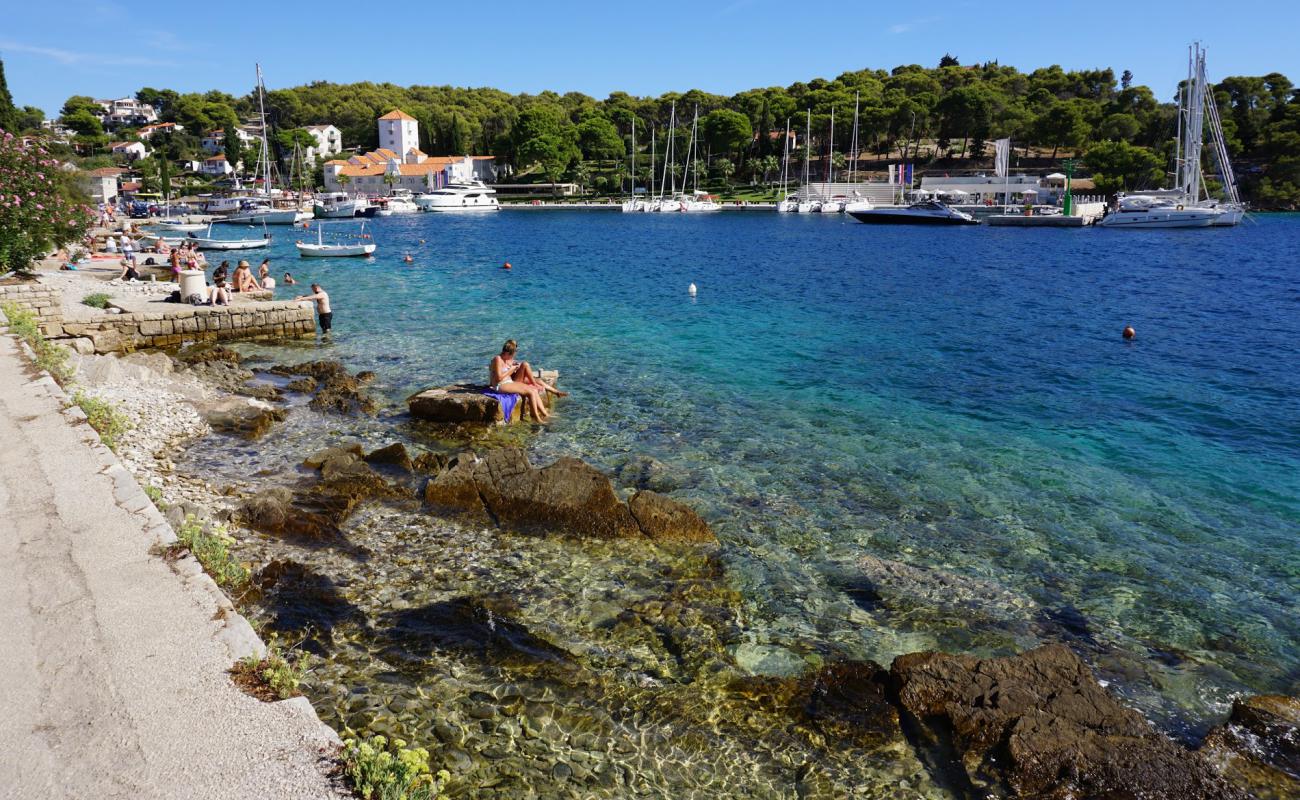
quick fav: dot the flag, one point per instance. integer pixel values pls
(910, 168)
(1002, 150)
(891, 174)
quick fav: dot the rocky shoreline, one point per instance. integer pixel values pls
(408, 575)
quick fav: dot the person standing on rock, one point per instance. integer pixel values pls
(324, 313)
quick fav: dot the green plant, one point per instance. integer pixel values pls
(50, 357)
(272, 677)
(156, 496)
(105, 419)
(380, 771)
(212, 549)
(96, 300)
(41, 209)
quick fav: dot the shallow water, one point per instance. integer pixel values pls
(958, 400)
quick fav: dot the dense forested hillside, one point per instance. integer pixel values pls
(944, 117)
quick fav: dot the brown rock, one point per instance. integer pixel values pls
(246, 419)
(1039, 725)
(394, 455)
(666, 520)
(206, 355)
(304, 385)
(430, 463)
(568, 496)
(847, 700)
(348, 452)
(273, 512)
(1259, 746)
(454, 489)
(462, 403)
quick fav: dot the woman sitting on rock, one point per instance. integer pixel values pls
(507, 376)
(243, 278)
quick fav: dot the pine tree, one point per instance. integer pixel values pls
(8, 114)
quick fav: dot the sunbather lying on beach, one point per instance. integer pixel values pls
(507, 376)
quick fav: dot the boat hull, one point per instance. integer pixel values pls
(229, 244)
(334, 251)
(883, 217)
(279, 217)
(1151, 220)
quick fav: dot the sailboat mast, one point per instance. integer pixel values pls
(830, 155)
(668, 150)
(691, 155)
(1182, 112)
(807, 153)
(633, 156)
(785, 160)
(266, 153)
(853, 147)
(652, 161)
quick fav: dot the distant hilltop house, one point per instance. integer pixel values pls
(215, 140)
(399, 163)
(159, 127)
(125, 112)
(60, 133)
(329, 141)
(216, 165)
(131, 151)
(101, 184)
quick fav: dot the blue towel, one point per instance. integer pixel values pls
(507, 402)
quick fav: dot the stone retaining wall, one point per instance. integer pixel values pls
(45, 302)
(127, 332)
(178, 324)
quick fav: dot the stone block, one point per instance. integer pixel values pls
(464, 402)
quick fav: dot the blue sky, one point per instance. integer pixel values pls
(110, 48)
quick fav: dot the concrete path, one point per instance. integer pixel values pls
(112, 663)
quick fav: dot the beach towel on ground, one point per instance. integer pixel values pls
(507, 402)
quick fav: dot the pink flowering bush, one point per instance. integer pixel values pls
(40, 210)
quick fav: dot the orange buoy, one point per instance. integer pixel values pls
(505, 265)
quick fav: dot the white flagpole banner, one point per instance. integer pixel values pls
(1002, 147)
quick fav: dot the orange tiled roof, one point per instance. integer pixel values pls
(398, 113)
(336, 161)
(384, 153)
(216, 158)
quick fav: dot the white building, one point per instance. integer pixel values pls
(329, 140)
(131, 151)
(399, 132)
(148, 131)
(215, 140)
(125, 111)
(399, 163)
(100, 184)
(217, 165)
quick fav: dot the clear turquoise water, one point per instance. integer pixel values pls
(952, 399)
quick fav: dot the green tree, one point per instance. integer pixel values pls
(28, 118)
(948, 61)
(391, 179)
(1119, 166)
(599, 140)
(727, 131)
(233, 147)
(724, 168)
(164, 172)
(79, 102)
(8, 113)
(1061, 125)
(84, 123)
(1120, 127)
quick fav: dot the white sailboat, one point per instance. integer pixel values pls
(633, 204)
(261, 206)
(857, 202)
(319, 249)
(788, 202)
(831, 205)
(209, 243)
(806, 205)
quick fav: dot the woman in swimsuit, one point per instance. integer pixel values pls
(507, 376)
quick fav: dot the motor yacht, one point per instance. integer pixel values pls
(466, 196)
(336, 205)
(926, 212)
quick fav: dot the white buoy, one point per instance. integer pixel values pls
(691, 290)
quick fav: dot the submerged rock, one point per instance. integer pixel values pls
(846, 700)
(569, 496)
(274, 512)
(337, 391)
(248, 418)
(484, 627)
(204, 354)
(664, 519)
(1039, 725)
(1259, 746)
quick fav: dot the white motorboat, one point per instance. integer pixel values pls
(209, 243)
(858, 205)
(337, 205)
(178, 226)
(926, 212)
(360, 245)
(467, 196)
(1143, 211)
(401, 202)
